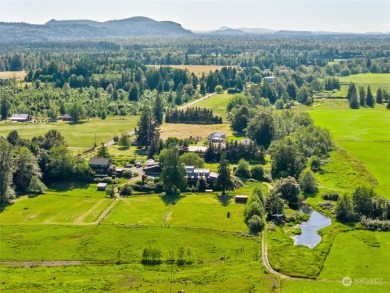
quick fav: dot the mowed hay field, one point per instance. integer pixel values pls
(217, 257)
(198, 70)
(364, 133)
(136, 210)
(217, 104)
(19, 75)
(81, 205)
(76, 135)
(374, 80)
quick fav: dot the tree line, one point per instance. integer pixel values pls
(192, 116)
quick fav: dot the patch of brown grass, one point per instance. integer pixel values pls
(11, 74)
(192, 130)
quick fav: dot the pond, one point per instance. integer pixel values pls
(309, 235)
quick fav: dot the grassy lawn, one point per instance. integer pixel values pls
(49, 208)
(363, 133)
(374, 80)
(77, 135)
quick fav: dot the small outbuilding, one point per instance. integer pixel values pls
(216, 136)
(242, 199)
(101, 186)
(66, 117)
(21, 118)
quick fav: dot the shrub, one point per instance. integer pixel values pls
(243, 169)
(375, 225)
(107, 180)
(127, 174)
(255, 224)
(315, 163)
(126, 190)
(326, 206)
(257, 172)
(331, 196)
(308, 182)
(36, 186)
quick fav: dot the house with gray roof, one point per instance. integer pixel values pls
(21, 118)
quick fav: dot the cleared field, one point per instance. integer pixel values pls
(364, 133)
(365, 256)
(192, 130)
(20, 75)
(198, 70)
(374, 80)
(156, 211)
(77, 135)
(218, 104)
(81, 205)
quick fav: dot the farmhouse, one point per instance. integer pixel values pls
(100, 165)
(270, 79)
(216, 136)
(194, 174)
(66, 117)
(21, 117)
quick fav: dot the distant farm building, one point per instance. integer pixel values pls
(66, 117)
(153, 170)
(21, 118)
(270, 79)
(217, 136)
(100, 165)
(101, 186)
(241, 199)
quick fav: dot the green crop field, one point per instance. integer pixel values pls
(374, 80)
(77, 135)
(364, 133)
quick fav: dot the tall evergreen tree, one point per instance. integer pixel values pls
(4, 107)
(370, 98)
(353, 100)
(224, 180)
(158, 109)
(379, 96)
(362, 96)
(134, 92)
(6, 167)
(147, 129)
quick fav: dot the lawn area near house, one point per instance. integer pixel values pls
(77, 135)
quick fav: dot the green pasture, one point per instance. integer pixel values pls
(364, 133)
(60, 206)
(299, 286)
(77, 135)
(374, 80)
(219, 276)
(207, 211)
(366, 255)
(218, 104)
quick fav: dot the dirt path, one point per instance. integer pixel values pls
(49, 263)
(106, 211)
(79, 220)
(196, 101)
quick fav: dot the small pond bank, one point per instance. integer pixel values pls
(309, 235)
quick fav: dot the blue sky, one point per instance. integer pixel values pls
(312, 15)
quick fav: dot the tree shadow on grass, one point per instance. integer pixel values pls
(310, 194)
(65, 186)
(171, 199)
(4, 206)
(141, 152)
(225, 199)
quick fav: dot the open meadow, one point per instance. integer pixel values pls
(363, 133)
(198, 70)
(19, 75)
(374, 80)
(77, 135)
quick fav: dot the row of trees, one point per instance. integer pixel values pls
(192, 116)
(365, 98)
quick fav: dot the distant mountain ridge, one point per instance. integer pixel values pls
(89, 29)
